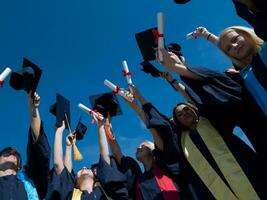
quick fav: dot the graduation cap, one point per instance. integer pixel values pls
(27, 78)
(61, 109)
(106, 103)
(148, 68)
(175, 48)
(181, 1)
(148, 43)
(80, 130)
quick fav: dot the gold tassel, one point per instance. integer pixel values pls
(77, 154)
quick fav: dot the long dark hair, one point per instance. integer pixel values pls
(176, 121)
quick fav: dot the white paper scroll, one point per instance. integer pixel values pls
(91, 112)
(160, 21)
(190, 35)
(127, 74)
(4, 74)
(118, 90)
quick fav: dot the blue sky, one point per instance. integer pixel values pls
(80, 43)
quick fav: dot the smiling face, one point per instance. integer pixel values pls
(186, 116)
(237, 45)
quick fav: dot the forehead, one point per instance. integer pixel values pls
(180, 107)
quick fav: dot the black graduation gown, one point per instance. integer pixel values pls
(146, 182)
(114, 183)
(257, 20)
(225, 93)
(243, 154)
(37, 169)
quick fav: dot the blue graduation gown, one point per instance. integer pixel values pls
(37, 169)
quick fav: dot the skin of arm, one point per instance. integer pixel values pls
(172, 63)
(178, 86)
(102, 139)
(70, 140)
(134, 105)
(34, 114)
(58, 152)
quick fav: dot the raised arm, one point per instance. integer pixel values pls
(139, 111)
(70, 140)
(173, 63)
(177, 86)
(113, 143)
(58, 152)
(204, 33)
(34, 114)
(102, 139)
(38, 148)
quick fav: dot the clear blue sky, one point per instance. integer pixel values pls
(80, 43)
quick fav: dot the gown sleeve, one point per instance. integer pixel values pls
(38, 159)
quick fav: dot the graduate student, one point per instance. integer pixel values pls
(64, 184)
(161, 176)
(248, 52)
(30, 181)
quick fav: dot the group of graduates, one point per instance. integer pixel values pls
(194, 153)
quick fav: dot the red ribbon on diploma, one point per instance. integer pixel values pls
(1, 83)
(91, 112)
(156, 35)
(116, 91)
(126, 73)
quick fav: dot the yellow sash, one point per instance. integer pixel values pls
(225, 160)
(76, 194)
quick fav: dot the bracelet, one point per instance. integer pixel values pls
(208, 36)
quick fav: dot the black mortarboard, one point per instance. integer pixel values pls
(80, 130)
(27, 78)
(175, 48)
(60, 109)
(150, 69)
(181, 1)
(106, 103)
(147, 43)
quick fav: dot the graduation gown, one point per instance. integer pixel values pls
(257, 20)
(146, 186)
(36, 169)
(113, 182)
(224, 97)
(243, 154)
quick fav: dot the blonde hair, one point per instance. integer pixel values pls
(149, 144)
(248, 32)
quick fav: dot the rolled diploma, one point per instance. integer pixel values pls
(90, 111)
(4, 74)
(126, 70)
(121, 91)
(190, 35)
(160, 21)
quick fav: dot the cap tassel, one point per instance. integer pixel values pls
(77, 153)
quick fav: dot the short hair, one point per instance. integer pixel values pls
(8, 151)
(257, 42)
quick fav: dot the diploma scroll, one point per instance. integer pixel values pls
(118, 90)
(160, 21)
(4, 74)
(91, 112)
